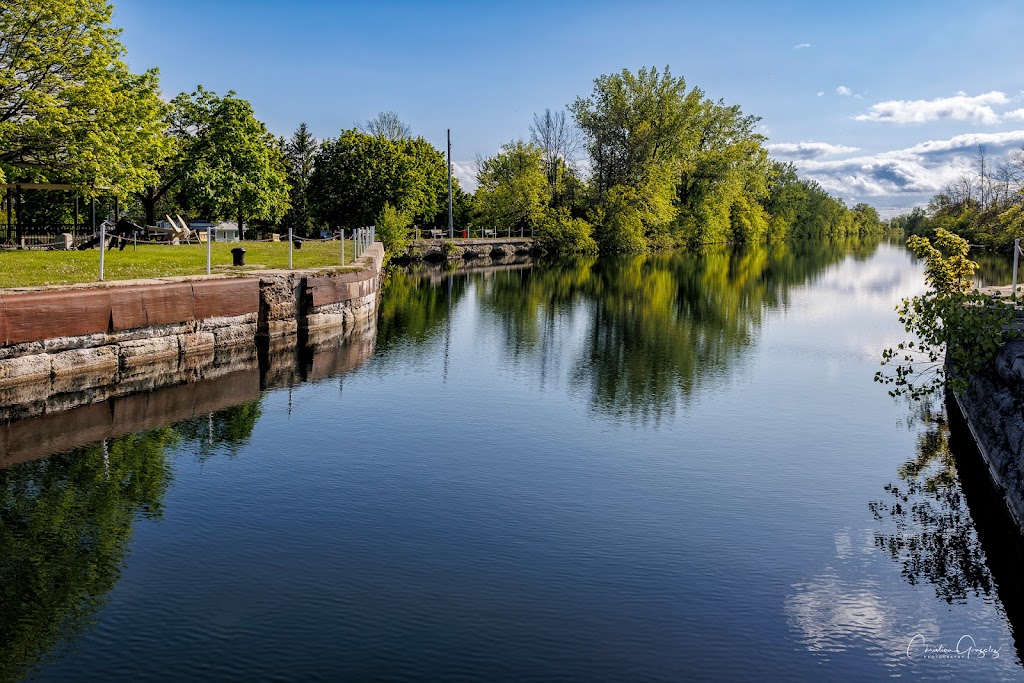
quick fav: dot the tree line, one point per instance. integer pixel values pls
(642, 162)
(985, 205)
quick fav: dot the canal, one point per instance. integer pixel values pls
(657, 468)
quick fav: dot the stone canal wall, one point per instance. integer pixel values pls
(70, 339)
(993, 407)
(483, 250)
(49, 424)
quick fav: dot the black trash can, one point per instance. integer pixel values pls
(297, 243)
(238, 256)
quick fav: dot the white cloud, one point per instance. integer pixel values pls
(465, 171)
(960, 107)
(808, 150)
(801, 46)
(923, 169)
(821, 93)
(844, 91)
(1015, 115)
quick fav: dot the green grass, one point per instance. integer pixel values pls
(33, 268)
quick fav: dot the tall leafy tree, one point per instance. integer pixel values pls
(634, 122)
(723, 177)
(230, 164)
(70, 110)
(356, 174)
(513, 188)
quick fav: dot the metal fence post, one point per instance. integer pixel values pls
(1016, 260)
(103, 246)
(289, 248)
(209, 241)
(341, 239)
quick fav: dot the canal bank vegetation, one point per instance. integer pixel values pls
(643, 162)
(663, 166)
(955, 330)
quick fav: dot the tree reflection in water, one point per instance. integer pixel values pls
(66, 521)
(926, 525)
(637, 334)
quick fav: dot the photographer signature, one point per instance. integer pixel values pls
(966, 648)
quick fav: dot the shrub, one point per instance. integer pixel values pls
(393, 230)
(559, 233)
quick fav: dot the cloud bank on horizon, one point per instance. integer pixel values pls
(899, 179)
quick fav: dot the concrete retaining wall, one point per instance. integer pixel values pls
(78, 338)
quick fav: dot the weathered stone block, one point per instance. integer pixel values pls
(25, 369)
(139, 352)
(236, 335)
(195, 343)
(101, 360)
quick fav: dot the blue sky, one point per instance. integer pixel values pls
(889, 99)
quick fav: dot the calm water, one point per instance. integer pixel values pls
(665, 468)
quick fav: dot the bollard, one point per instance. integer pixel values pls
(209, 239)
(238, 256)
(290, 248)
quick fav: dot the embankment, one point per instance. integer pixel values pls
(993, 407)
(83, 340)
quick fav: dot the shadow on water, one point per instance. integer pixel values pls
(74, 482)
(946, 525)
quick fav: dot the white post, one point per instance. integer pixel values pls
(209, 240)
(289, 248)
(1016, 259)
(103, 246)
(341, 239)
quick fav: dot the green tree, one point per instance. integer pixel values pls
(724, 178)
(633, 122)
(512, 187)
(300, 153)
(560, 233)
(230, 165)
(70, 110)
(356, 174)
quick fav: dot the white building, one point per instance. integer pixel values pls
(222, 232)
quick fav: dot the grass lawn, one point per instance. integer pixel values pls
(32, 268)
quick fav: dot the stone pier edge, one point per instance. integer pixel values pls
(80, 337)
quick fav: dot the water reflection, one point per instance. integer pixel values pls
(65, 524)
(925, 525)
(638, 335)
(73, 483)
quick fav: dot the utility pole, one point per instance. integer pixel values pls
(451, 225)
